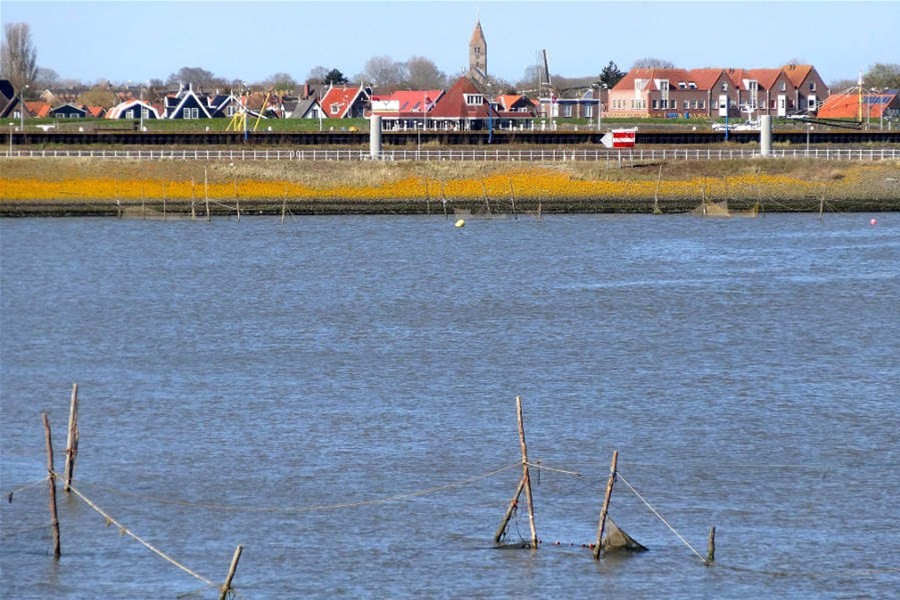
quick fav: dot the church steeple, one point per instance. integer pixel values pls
(478, 53)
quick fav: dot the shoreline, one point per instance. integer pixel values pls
(32, 187)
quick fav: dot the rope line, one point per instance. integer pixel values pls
(10, 495)
(319, 507)
(545, 468)
(619, 475)
(146, 544)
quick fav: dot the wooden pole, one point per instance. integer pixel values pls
(711, 546)
(193, 207)
(509, 511)
(605, 509)
(525, 476)
(427, 200)
(206, 192)
(283, 205)
(656, 210)
(512, 198)
(237, 200)
(54, 521)
(72, 439)
(165, 192)
(234, 561)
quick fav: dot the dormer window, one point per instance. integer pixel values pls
(692, 85)
(474, 99)
(335, 108)
(682, 85)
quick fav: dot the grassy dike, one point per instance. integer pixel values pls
(68, 187)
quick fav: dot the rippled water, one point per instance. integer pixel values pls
(328, 393)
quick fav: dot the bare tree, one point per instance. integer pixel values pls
(18, 56)
(199, 79)
(423, 74)
(98, 95)
(531, 80)
(46, 78)
(882, 76)
(652, 63)
(317, 75)
(281, 82)
(384, 72)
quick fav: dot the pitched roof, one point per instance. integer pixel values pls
(452, 105)
(649, 77)
(797, 73)
(120, 109)
(406, 101)
(338, 101)
(38, 110)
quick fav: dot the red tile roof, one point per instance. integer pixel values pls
(453, 104)
(797, 73)
(337, 101)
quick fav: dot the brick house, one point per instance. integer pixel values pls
(715, 93)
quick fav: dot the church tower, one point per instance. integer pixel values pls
(478, 54)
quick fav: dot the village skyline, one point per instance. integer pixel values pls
(139, 41)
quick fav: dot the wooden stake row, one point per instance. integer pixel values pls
(71, 452)
(525, 485)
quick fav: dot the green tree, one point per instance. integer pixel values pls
(611, 75)
(335, 77)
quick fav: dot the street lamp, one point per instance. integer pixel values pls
(141, 107)
(22, 107)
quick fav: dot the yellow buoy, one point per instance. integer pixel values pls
(460, 223)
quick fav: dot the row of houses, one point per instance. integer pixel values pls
(469, 105)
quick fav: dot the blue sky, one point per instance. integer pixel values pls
(138, 40)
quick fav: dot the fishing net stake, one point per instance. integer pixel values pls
(509, 511)
(711, 547)
(604, 510)
(226, 587)
(54, 521)
(525, 476)
(72, 440)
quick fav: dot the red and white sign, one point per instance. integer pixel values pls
(619, 138)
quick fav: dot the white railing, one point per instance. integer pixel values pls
(493, 154)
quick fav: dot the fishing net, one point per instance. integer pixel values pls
(615, 539)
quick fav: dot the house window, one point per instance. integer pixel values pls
(474, 99)
(681, 85)
(812, 86)
(129, 114)
(656, 103)
(692, 85)
(724, 87)
(686, 104)
(783, 86)
(335, 108)
(702, 104)
(588, 111)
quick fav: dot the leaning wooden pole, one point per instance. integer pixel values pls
(54, 521)
(71, 440)
(525, 476)
(605, 509)
(711, 546)
(226, 587)
(509, 511)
